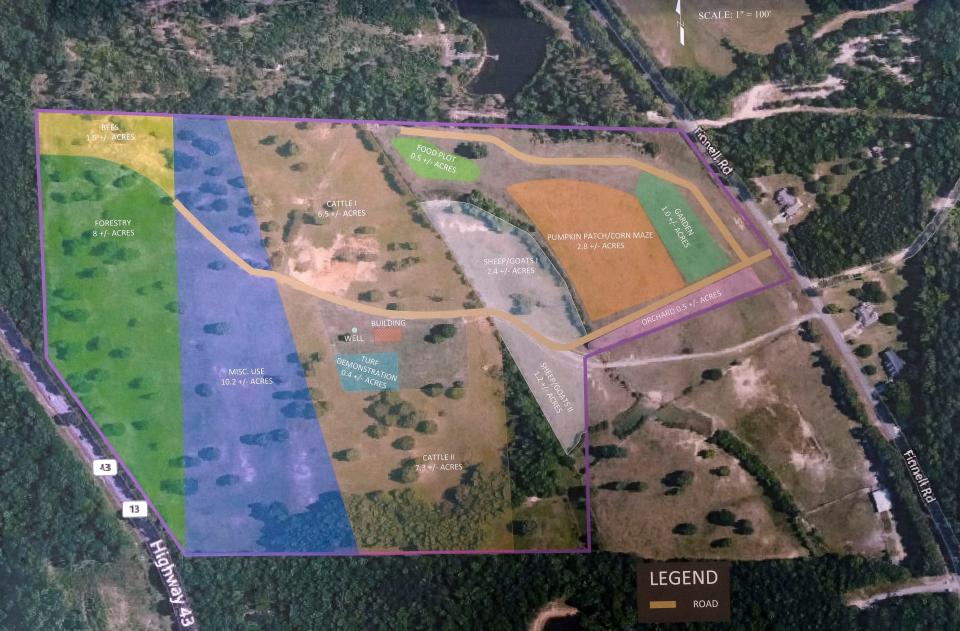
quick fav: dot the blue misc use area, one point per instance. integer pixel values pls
(256, 466)
(368, 371)
(210, 183)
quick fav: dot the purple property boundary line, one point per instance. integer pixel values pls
(586, 421)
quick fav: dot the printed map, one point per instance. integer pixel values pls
(313, 337)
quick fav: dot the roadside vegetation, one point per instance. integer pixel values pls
(923, 555)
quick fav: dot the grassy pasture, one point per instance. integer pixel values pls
(656, 21)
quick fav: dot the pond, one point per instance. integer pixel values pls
(517, 43)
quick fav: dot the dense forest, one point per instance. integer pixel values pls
(884, 206)
(930, 307)
(504, 592)
(570, 90)
(53, 521)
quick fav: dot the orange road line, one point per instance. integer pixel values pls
(521, 324)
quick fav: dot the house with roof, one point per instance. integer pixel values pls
(789, 204)
(866, 314)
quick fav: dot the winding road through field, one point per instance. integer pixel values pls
(744, 261)
(518, 322)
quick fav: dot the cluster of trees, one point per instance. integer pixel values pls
(569, 89)
(870, 291)
(628, 421)
(390, 410)
(461, 521)
(780, 498)
(404, 16)
(478, 199)
(440, 332)
(677, 481)
(472, 150)
(396, 265)
(601, 452)
(634, 486)
(537, 463)
(728, 519)
(612, 58)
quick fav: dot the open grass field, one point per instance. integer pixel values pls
(643, 522)
(734, 326)
(112, 310)
(604, 240)
(656, 21)
(333, 219)
(774, 400)
(554, 511)
(429, 162)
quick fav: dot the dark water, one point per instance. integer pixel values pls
(568, 623)
(520, 42)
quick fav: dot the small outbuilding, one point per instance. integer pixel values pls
(892, 363)
(881, 501)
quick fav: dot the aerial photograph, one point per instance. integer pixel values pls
(533, 315)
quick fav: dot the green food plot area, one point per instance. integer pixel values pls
(432, 163)
(691, 246)
(109, 241)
